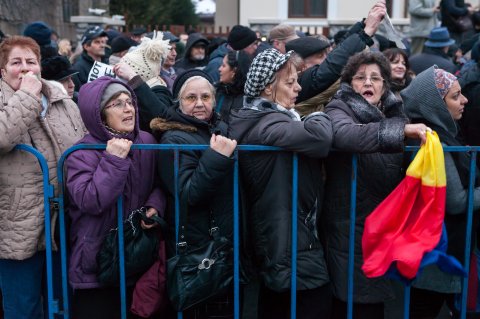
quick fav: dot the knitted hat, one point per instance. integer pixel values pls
(122, 43)
(57, 68)
(38, 31)
(110, 91)
(241, 37)
(307, 46)
(182, 77)
(93, 33)
(263, 69)
(147, 59)
(444, 81)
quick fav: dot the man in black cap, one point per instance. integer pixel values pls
(120, 46)
(137, 34)
(60, 70)
(313, 51)
(93, 42)
(240, 38)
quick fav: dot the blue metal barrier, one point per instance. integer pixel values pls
(53, 307)
(48, 194)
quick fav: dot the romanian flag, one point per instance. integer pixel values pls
(406, 230)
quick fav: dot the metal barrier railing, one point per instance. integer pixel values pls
(53, 305)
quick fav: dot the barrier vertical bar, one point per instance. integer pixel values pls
(177, 204)
(63, 248)
(236, 241)
(406, 302)
(351, 243)
(48, 193)
(121, 255)
(468, 233)
(293, 279)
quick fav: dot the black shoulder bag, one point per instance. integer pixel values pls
(196, 275)
(141, 249)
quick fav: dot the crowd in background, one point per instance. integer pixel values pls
(355, 93)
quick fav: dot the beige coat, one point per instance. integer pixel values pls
(21, 187)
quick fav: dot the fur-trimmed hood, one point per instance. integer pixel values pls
(365, 112)
(160, 125)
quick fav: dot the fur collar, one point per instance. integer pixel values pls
(390, 106)
(161, 125)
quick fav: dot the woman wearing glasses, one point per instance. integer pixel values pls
(205, 177)
(96, 178)
(368, 120)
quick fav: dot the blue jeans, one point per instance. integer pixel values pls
(21, 286)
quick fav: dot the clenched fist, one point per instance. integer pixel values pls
(119, 147)
(222, 145)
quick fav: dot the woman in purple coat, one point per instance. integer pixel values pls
(96, 178)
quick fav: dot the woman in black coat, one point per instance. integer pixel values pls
(268, 118)
(205, 178)
(366, 119)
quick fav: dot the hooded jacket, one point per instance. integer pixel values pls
(205, 178)
(378, 136)
(21, 192)
(186, 63)
(267, 189)
(424, 104)
(95, 179)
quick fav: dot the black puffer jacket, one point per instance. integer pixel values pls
(205, 177)
(152, 101)
(359, 128)
(267, 189)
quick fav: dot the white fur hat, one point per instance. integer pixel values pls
(148, 57)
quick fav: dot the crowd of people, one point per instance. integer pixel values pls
(325, 99)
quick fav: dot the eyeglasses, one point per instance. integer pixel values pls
(375, 79)
(120, 104)
(205, 98)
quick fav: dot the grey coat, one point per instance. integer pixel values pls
(422, 17)
(378, 137)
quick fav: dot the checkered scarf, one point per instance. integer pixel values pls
(263, 69)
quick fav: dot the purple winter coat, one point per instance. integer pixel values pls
(95, 179)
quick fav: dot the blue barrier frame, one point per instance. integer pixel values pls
(48, 194)
(53, 307)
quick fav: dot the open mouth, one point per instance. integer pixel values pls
(128, 119)
(367, 94)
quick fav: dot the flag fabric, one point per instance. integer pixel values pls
(406, 231)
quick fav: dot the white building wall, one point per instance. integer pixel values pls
(253, 12)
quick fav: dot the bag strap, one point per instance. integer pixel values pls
(182, 244)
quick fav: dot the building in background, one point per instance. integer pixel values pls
(315, 16)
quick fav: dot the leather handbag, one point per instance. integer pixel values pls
(141, 249)
(196, 275)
